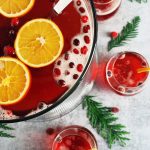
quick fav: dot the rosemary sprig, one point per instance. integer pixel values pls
(6, 128)
(139, 1)
(129, 31)
(103, 121)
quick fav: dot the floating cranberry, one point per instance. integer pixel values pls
(84, 50)
(114, 109)
(75, 76)
(78, 2)
(114, 35)
(81, 9)
(71, 65)
(9, 50)
(75, 51)
(80, 67)
(76, 42)
(59, 63)
(67, 72)
(15, 22)
(87, 39)
(61, 83)
(57, 72)
(84, 19)
(66, 56)
(86, 28)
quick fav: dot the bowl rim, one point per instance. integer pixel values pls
(69, 92)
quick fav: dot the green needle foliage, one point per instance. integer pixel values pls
(104, 121)
(139, 1)
(3, 131)
(129, 31)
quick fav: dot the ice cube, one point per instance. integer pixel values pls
(64, 148)
(1, 65)
(68, 142)
(122, 56)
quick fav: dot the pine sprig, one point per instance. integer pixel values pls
(139, 1)
(4, 133)
(129, 31)
(104, 122)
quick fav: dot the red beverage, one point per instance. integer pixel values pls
(122, 75)
(75, 138)
(105, 9)
(48, 84)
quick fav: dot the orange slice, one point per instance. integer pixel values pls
(15, 8)
(39, 43)
(14, 80)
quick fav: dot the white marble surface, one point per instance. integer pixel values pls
(134, 111)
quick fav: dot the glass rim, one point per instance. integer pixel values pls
(118, 54)
(70, 91)
(104, 2)
(71, 127)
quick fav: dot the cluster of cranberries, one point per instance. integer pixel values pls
(9, 49)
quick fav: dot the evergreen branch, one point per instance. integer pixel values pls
(129, 31)
(104, 122)
(3, 133)
(5, 127)
(139, 1)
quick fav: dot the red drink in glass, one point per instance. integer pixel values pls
(106, 8)
(122, 75)
(75, 138)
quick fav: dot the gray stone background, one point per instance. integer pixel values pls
(134, 110)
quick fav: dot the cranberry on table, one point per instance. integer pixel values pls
(114, 109)
(14, 22)
(67, 72)
(114, 35)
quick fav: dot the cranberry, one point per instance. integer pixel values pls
(81, 9)
(67, 72)
(84, 19)
(78, 2)
(75, 51)
(61, 83)
(71, 65)
(66, 56)
(75, 76)
(86, 28)
(59, 63)
(84, 50)
(80, 67)
(15, 22)
(114, 109)
(87, 39)
(76, 42)
(57, 71)
(50, 131)
(9, 50)
(114, 35)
